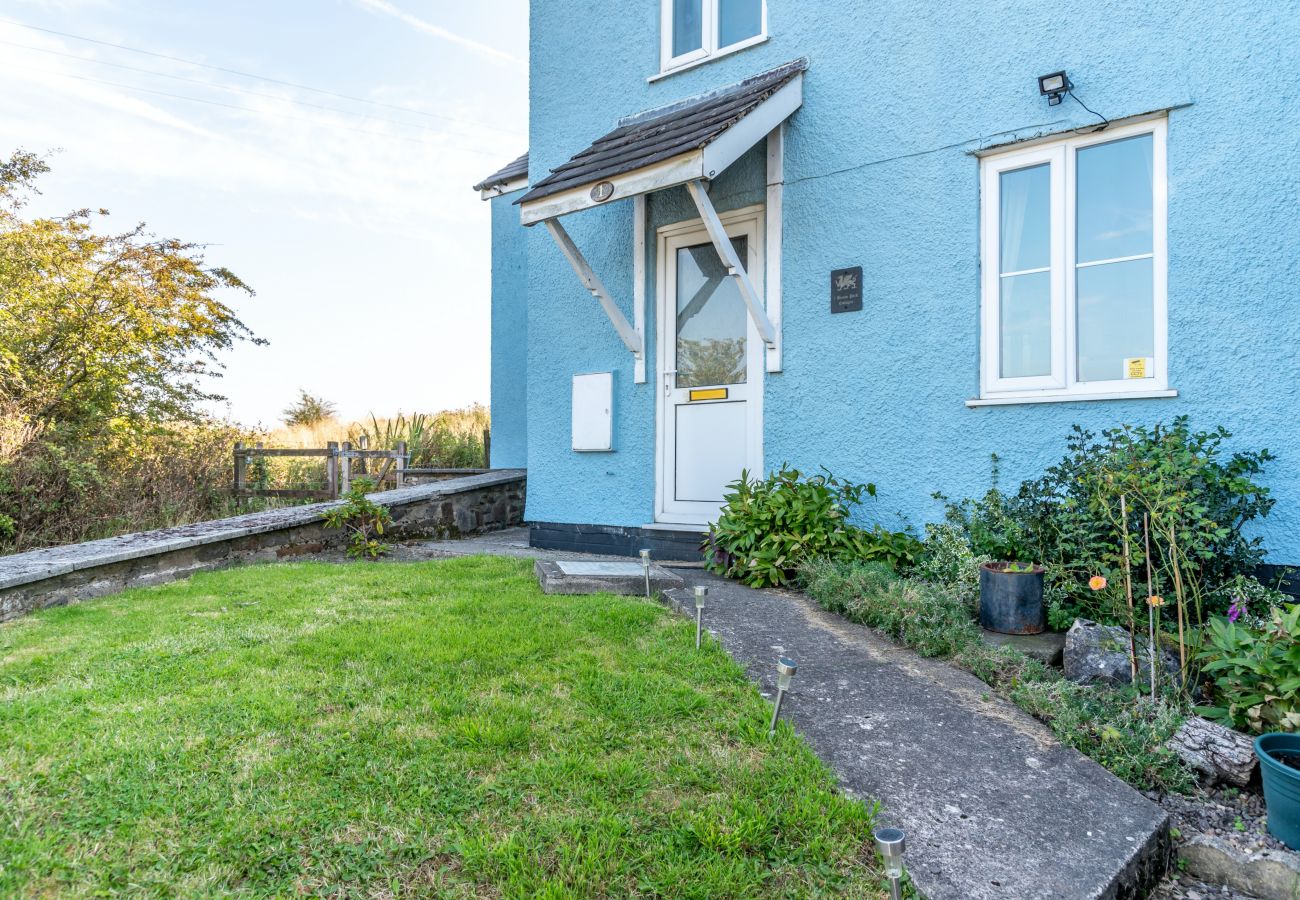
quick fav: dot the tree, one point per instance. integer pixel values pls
(308, 410)
(104, 328)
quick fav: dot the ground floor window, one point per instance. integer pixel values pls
(1073, 258)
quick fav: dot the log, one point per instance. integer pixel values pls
(1219, 753)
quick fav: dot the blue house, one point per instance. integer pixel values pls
(888, 239)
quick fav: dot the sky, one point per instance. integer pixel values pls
(336, 184)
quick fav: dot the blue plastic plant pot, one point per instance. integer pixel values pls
(1281, 785)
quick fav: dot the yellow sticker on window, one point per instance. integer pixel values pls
(1137, 367)
(709, 394)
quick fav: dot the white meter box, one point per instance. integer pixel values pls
(593, 412)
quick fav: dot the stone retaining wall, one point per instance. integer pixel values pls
(58, 575)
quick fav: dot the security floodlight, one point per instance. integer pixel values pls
(1054, 87)
(891, 843)
(785, 669)
(700, 593)
(645, 567)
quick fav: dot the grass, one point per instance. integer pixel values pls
(436, 728)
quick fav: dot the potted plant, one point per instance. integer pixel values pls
(1011, 598)
(1279, 765)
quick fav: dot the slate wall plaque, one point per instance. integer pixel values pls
(846, 290)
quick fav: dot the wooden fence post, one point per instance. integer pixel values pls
(345, 468)
(363, 443)
(240, 463)
(399, 467)
(332, 469)
(487, 448)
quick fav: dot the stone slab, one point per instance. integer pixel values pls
(569, 576)
(599, 568)
(1268, 874)
(1047, 647)
(993, 805)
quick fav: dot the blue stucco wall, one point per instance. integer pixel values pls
(509, 336)
(880, 172)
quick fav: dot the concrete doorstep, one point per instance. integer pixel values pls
(993, 805)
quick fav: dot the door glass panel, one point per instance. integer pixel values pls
(1026, 233)
(688, 26)
(738, 20)
(1116, 317)
(1026, 325)
(1114, 199)
(711, 318)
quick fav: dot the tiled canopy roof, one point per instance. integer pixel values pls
(657, 136)
(511, 172)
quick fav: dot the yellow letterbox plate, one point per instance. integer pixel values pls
(709, 394)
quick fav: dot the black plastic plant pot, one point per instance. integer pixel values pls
(1279, 766)
(1011, 601)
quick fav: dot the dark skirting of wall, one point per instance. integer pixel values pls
(616, 540)
(58, 575)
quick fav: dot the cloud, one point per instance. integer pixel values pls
(388, 9)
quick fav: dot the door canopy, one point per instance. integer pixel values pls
(687, 143)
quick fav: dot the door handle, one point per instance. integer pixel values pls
(668, 381)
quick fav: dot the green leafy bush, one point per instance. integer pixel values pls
(1122, 733)
(1256, 671)
(363, 519)
(1198, 497)
(769, 526)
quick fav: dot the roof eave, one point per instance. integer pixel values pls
(501, 188)
(705, 162)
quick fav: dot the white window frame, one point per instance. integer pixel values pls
(709, 48)
(1063, 381)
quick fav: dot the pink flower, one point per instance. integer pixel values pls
(1097, 583)
(1238, 607)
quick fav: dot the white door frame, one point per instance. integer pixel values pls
(750, 221)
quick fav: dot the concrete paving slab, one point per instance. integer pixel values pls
(1047, 648)
(993, 805)
(585, 576)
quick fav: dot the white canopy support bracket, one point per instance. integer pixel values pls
(732, 262)
(629, 335)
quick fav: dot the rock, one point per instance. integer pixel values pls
(1268, 874)
(1221, 754)
(1100, 653)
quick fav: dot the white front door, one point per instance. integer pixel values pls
(710, 369)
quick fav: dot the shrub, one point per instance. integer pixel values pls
(1256, 671)
(364, 521)
(948, 560)
(768, 527)
(1199, 500)
(1197, 497)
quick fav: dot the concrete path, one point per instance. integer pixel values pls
(993, 805)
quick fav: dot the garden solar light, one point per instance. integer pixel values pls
(785, 669)
(645, 567)
(700, 593)
(891, 844)
(1054, 87)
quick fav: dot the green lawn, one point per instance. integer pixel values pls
(435, 728)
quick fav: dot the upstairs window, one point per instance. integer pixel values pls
(1074, 259)
(694, 30)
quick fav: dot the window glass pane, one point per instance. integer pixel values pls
(1114, 199)
(688, 26)
(738, 20)
(1026, 325)
(1026, 235)
(1116, 317)
(711, 318)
